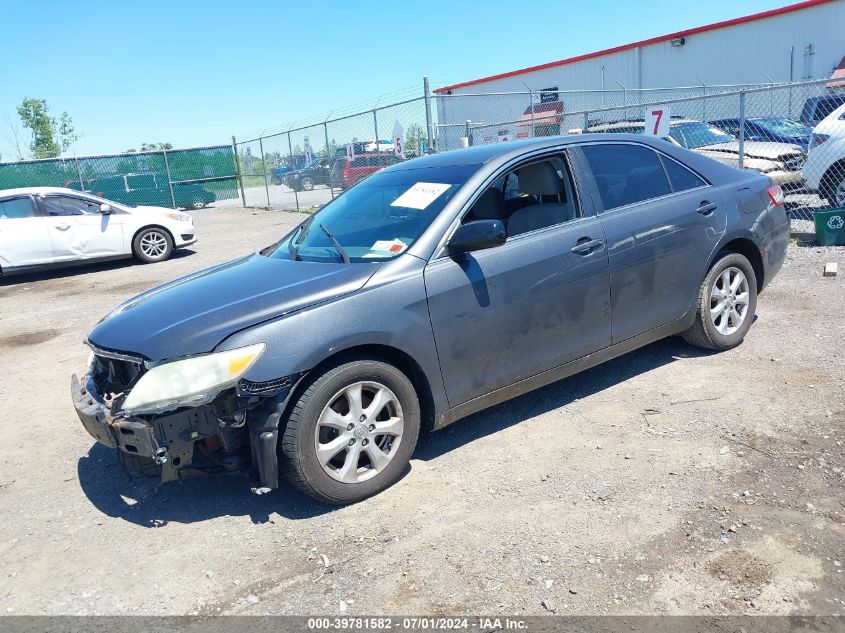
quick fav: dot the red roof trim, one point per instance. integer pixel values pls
(654, 40)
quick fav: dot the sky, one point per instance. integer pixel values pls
(195, 73)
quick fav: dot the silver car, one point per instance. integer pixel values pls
(782, 162)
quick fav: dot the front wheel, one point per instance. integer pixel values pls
(351, 432)
(726, 304)
(307, 184)
(152, 245)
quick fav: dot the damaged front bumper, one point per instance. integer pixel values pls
(229, 434)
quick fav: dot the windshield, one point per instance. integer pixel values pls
(784, 127)
(377, 219)
(698, 134)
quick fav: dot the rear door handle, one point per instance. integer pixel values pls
(63, 227)
(707, 208)
(585, 248)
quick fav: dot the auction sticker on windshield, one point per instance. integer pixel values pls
(420, 195)
(383, 248)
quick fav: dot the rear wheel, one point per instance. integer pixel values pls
(152, 245)
(352, 431)
(197, 203)
(726, 304)
(307, 184)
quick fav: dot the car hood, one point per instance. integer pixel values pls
(193, 314)
(753, 149)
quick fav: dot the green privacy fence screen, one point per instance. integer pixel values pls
(173, 178)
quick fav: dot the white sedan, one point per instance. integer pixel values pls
(42, 227)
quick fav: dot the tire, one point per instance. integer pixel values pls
(197, 203)
(723, 320)
(307, 184)
(152, 244)
(350, 473)
(835, 189)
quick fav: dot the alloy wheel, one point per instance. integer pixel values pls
(153, 244)
(358, 432)
(729, 298)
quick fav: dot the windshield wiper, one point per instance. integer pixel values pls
(293, 243)
(344, 255)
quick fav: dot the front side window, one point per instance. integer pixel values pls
(16, 209)
(528, 198)
(377, 219)
(626, 173)
(67, 205)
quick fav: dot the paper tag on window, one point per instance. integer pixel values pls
(420, 195)
(389, 246)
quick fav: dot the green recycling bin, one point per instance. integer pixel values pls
(830, 227)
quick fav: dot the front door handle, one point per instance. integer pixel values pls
(63, 227)
(707, 208)
(585, 248)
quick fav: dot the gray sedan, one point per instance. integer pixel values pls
(431, 290)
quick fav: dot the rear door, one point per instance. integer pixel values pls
(24, 239)
(662, 223)
(79, 231)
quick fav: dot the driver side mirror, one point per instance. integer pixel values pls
(477, 235)
(105, 209)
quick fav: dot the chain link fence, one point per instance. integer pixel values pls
(765, 127)
(190, 178)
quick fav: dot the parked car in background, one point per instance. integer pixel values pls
(782, 162)
(292, 163)
(318, 173)
(770, 128)
(818, 108)
(379, 146)
(348, 171)
(41, 227)
(151, 189)
(430, 291)
(824, 170)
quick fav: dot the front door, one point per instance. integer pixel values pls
(662, 223)
(534, 303)
(79, 231)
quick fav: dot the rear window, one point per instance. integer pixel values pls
(626, 173)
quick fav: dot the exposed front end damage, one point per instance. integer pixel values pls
(236, 431)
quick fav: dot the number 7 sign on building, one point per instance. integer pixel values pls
(657, 121)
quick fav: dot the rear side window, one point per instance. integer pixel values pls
(361, 161)
(826, 106)
(626, 173)
(16, 209)
(680, 177)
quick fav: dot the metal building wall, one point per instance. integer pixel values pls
(755, 52)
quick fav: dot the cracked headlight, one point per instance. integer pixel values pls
(191, 381)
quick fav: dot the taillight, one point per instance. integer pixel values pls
(775, 195)
(99, 194)
(818, 139)
(347, 171)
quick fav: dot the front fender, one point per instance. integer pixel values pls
(390, 311)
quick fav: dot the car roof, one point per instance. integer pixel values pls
(478, 155)
(37, 191)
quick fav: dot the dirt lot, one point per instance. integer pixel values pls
(667, 481)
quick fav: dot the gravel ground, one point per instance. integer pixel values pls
(667, 481)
